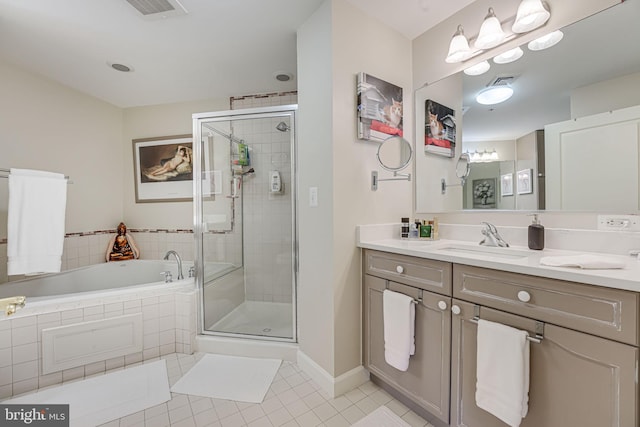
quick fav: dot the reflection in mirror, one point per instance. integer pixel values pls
(584, 76)
(394, 153)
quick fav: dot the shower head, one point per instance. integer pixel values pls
(283, 127)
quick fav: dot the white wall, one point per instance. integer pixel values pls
(606, 96)
(335, 44)
(48, 126)
(153, 121)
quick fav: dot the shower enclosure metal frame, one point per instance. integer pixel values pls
(198, 228)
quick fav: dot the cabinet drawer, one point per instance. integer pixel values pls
(418, 272)
(605, 312)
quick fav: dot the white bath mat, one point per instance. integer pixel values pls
(242, 379)
(98, 400)
(381, 417)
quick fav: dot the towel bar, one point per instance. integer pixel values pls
(539, 331)
(415, 301)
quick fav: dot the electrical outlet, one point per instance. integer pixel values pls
(619, 222)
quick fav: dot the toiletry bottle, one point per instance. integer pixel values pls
(434, 229)
(405, 228)
(425, 230)
(536, 234)
(415, 230)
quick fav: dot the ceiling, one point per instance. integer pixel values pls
(218, 49)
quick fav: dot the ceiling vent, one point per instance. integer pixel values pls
(158, 9)
(502, 81)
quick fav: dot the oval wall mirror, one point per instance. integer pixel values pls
(463, 167)
(395, 153)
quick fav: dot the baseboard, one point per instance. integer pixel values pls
(332, 386)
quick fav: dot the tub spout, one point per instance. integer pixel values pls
(10, 305)
(178, 259)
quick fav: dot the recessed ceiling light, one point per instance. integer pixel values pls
(120, 67)
(283, 77)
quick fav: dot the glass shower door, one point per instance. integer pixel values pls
(245, 222)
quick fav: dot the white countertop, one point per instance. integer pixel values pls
(526, 262)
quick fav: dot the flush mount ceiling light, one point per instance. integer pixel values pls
(494, 95)
(546, 41)
(491, 34)
(479, 68)
(509, 56)
(458, 48)
(531, 15)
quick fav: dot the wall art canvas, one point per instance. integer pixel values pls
(439, 129)
(484, 193)
(163, 168)
(525, 183)
(379, 108)
(506, 184)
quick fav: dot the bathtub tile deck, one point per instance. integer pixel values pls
(293, 400)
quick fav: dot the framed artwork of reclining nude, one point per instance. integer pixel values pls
(163, 168)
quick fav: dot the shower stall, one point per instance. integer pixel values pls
(245, 222)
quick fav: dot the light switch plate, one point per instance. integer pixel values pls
(313, 197)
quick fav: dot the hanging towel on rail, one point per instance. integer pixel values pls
(399, 319)
(502, 371)
(35, 223)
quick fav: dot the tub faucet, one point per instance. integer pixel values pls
(178, 259)
(492, 237)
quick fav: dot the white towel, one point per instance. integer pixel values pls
(585, 261)
(399, 317)
(502, 386)
(35, 223)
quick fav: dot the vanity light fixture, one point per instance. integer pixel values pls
(494, 95)
(509, 56)
(546, 41)
(531, 15)
(483, 156)
(458, 48)
(479, 68)
(491, 33)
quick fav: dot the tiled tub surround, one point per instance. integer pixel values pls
(168, 313)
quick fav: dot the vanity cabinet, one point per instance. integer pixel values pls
(426, 381)
(583, 370)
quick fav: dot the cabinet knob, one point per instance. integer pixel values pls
(400, 269)
(455, 309)
(524, 296)
(442, 305)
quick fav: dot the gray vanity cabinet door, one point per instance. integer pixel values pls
(576, 379)
(426, 382)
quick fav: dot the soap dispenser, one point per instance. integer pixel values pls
(536, 234)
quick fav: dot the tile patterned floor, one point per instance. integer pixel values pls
(293, 400)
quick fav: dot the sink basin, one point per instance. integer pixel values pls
(489, 251)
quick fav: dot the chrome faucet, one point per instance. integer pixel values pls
(492, 237)
(178, 259)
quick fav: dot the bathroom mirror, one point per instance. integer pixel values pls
(394, 153)
(585, 74)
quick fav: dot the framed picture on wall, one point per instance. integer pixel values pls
(163, 168)
(379, 108)
(484, 193)
(525, 184)
(439, 129)
(506, 184)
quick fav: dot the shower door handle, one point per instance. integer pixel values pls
(235, 184)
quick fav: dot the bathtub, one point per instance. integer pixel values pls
(93, 319)
(95, 278)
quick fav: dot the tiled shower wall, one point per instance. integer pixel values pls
(268, 217)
